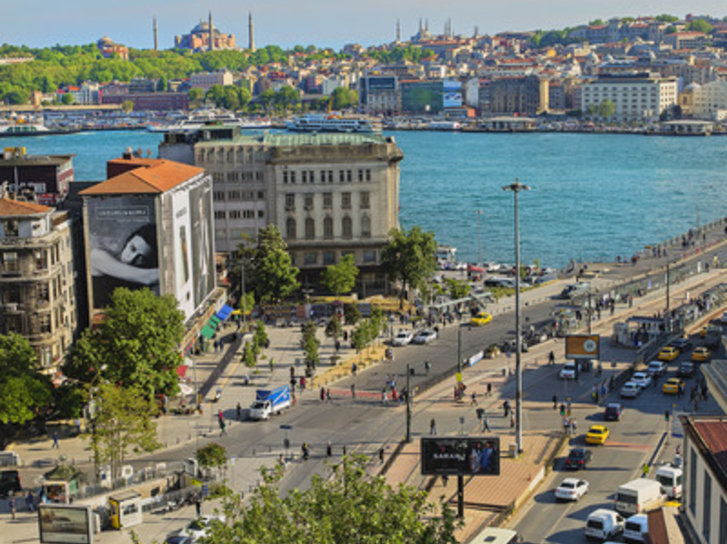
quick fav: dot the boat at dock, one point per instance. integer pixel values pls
(333, 122)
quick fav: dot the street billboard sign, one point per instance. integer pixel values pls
(65, 524)
(583, 346)
(460, 456)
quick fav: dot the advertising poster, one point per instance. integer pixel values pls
(65, 524)
(461, 456)
(203, 264)
(583, 346)
(452, 97)
(123, 245)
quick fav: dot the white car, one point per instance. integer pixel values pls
(568, 372)
(630, 389)
(642, 379)
(571, 489)
(425, 336)
(402, 338)
(199, 528)
(656, 368)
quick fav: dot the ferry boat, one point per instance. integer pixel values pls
(444, 125)
(31, 129)
(319, 122)
(197, 120)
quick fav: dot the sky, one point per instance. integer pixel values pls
(39, 23)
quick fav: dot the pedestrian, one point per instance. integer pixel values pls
(489, 389)
(427, 366)
(551, 358)
(381, 455)
(555, 401)
(562, 409)
(645, 470)
(292, 371)
(271, 363)
(219, 415)
(293, 381)
(506, 408)
(55, 442)
(30, 501)
(485, 423)
(354, 368)
(304, 449)
(11, 505)
(566, 425)
(474, 398)
(198, 506)
(302, 383)
(433, 427)
(323, 394)
(328, 395)
(573, 426)
(512, 419)
(353, 390)
(223, 425)
(329, 449)
(338, 345)
(238, 410)
(384, 396)
(77, 423)
(393, 394)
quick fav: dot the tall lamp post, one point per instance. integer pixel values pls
(479, 235)
(516, 187)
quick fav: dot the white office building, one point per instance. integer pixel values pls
(636, 97)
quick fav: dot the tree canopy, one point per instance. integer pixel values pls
(699, 25)
(211, 456)
(24, 391)
(341, 277)
(410, 257)
(342, 98)
(271, 272)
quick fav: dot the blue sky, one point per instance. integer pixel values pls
(320, 22)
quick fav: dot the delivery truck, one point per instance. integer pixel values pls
(269, 402)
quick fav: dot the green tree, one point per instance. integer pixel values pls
(351, 314)
(260, 338)
(595, 22)
(271, 272)
(348, 505)
(136, 345)
(671, 29)
(211, 456)
(334, 329)
(162, 84)
(409, 257)
(287, 97)
(699, 25)
(67, 99)
(196, 94)
(342, 98)
(309, 343)
(341, 277)
(122, 422)
(666, 18)
(267, 98)
(248, 355)
(606, 109)
(127, 106)
(457, 288)
(24, 391)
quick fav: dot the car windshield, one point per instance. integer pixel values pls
(568, 485)
(576, 454)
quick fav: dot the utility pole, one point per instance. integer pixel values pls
(479, 235)
(667, 326)
(459, 349)
(408, 404)
(516, 187)
(590, 312)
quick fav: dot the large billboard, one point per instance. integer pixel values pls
(203, 257)
(452, 94)
(65, 524)
(583, 346)
(124, 245)
(478, 456)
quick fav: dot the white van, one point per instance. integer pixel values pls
(670, 478)
(603, 524)
(496, 535)
(638, 496)
(635, 528)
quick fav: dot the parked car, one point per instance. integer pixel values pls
(630, 390)
(425, 336)
(681, 344)
(571, 489)
(402, 338)
(668, 353)
(602, 524)
(178, 539)
(9, 482)
(642, 379)
(613, 412)
(701, 354)
(686, 370)
(481, 318)
(597, 434)
(578, 458)
(574, 289)
(568, 372)
(656, 368)
(635, 528)
(199, 528)
(671, 386)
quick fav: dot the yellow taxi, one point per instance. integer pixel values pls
(481, 318)
(701, 354)
(671, 386)
(597, 434)
(668, 353)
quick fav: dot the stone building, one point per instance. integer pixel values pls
(525, 95)
(205, 37)
(37, 294)
(48, 176)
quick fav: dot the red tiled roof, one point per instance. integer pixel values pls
(152, 176)
(714, 435)
(9, 206)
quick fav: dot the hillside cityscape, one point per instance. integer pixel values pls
(245, 330)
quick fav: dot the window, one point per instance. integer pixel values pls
(328, 228)
(260, 213)
(235, 214)
(311, 176)
(11, 228)
(349, 175)
(330, 176)
(308, 202)
(290, 229)
(327, 201)
(369, 256)
(347, 227)
(44, 323)
(707, 506)
(219, 214)
(285, 176)
(310, 228)
(692, 482)
(722, 520)
(261, 195)
(10, 262)
(248, 214)
(323, 176)
(310, 258)
(365, 227)
(304, 176)
(346, 201)
(292, 177)
(364, 201)
(329, 257)
(290, 201)
(341, 176)
(368, 174)
(234, 195)
(360, 175)
(219, 195)
(41, 260)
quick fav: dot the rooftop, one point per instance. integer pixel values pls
(12, 207)
(298, 139)
(151, 176)
(36, 160)
(709, 434)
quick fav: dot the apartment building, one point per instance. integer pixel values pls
(639, 97)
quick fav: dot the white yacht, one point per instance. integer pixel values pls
(197, 120)
(332, 122)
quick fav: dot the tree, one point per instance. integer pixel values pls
(409, 257)
(67, 99)
(287, 97)
(342, 98)
(348, 505)
(136, 345)
(271, 271)
(699, 25)
(595, 22)
(457, 288)
(310, 344)
(24, 391)
(666, 18)
(606, 109)
(351, 314)
(211, 456)
(260, 338)
(122, 422)
(127, 106)
(196, 94)
(334, 329)
(341, 277)
(162, 84)
(266, 98)
(248, 355)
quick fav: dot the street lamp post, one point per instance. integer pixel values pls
(516, 187)
(479, 235)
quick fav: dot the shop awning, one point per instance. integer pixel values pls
(214, 322)
(207, 331)
(224, 312)
(181, 371)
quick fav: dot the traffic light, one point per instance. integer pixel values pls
(666, 415)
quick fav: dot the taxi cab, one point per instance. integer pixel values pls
(671, 386)
(701, 354)
(597, 434)
(668, 353)
(481, 318)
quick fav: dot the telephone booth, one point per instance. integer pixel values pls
(125, 509)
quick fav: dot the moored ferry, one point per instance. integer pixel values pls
(319, 122)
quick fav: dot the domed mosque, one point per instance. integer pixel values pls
(205, 37)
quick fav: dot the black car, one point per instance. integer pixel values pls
(612, 412)
(681, 343)
(9, 482)
(686, 370)
(578, 458)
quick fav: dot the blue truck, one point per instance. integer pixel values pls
(269, 402)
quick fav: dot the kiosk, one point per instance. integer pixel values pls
(125, 509)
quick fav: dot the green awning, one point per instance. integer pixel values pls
(207, 331)
(214, 322)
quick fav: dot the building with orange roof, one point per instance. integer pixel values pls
(150, 225)
(37, 288)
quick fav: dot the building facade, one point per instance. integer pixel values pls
(37, 293)
(525, 95)
(205, 80)
(205, 37)
(379, 94)
(47, 176)
(636, 97)
(709, 101)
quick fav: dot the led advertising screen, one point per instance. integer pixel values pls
(479, 456)
(65, 524)
(583, 346)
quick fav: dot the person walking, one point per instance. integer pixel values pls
(305, 450)
(55, 443)
(11, 506)
(381, 455)
(329, 449)
(555, 401)
(485, 422)
(645, 470)
(489, 389)
(30, 501)
(474, 399)
(238, 411)
(328, 395)
(323, 394)
(198, 506)
(354, 368)
(551, 358)
(573, 426)
(353, 391)
(433, 427)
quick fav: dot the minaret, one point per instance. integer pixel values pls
(212, 43)
(251, 30)
(156, 36)
(398, 31)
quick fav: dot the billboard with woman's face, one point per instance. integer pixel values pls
(123, 245)
(203, 256)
